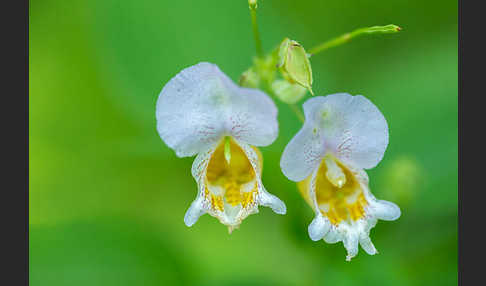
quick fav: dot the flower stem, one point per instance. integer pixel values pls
(297, 112)
(348, 36)
(256, 35)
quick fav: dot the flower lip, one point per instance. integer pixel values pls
(230, 186)
(336, 202)
(345, 213)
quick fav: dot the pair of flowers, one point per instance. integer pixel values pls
(203, 112)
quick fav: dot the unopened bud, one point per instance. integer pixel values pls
(288, 92)
(382, 29)
(253, 4)
(249, 78)
(294, 64)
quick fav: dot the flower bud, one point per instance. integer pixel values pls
(288, 92)
(249, 78)
(294, 64)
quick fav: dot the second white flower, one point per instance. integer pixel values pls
(342, 135)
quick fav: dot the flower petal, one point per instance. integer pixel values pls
(332, 236)
(198, 206)
(350, 242)
(198, 169)
(264, 197)
(351, 210)
(384, 210)
(188, 117)
(354, 128)
(318, 227)
(219, 199)
(253, 117)
(268, 200)
(201, 104)
(367, 245)
(195, 211)
(350, 127)
(305, 151)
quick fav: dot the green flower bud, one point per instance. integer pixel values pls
(249, 78)
(294, 64)
(382, 29)
(253, 4)
(288, 92)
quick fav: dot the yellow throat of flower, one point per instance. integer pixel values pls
(339, 195)
(230, 177)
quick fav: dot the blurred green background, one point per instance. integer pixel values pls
(107, 196)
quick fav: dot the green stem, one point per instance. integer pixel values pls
(256, 35)
(298, 112)
(348, 36)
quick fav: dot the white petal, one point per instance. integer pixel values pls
(268, 200)
(305, 151)
(188, 119)
(332, 236)
(194, 212)
(352, 128)
(361, 131)
(350, 242)
(253, 117)
(200, 164)
(232, 215)
(198, 171)
(264, 197)
(351, 231)
(201, 104)
(318, 227)
(384, 210)
(366, 244)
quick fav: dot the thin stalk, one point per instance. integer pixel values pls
(298, 112)
(348, 36)
(256, 34)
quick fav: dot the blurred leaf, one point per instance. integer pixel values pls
(104, 252)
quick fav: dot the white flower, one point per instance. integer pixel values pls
(201, 111)
(342, 135)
